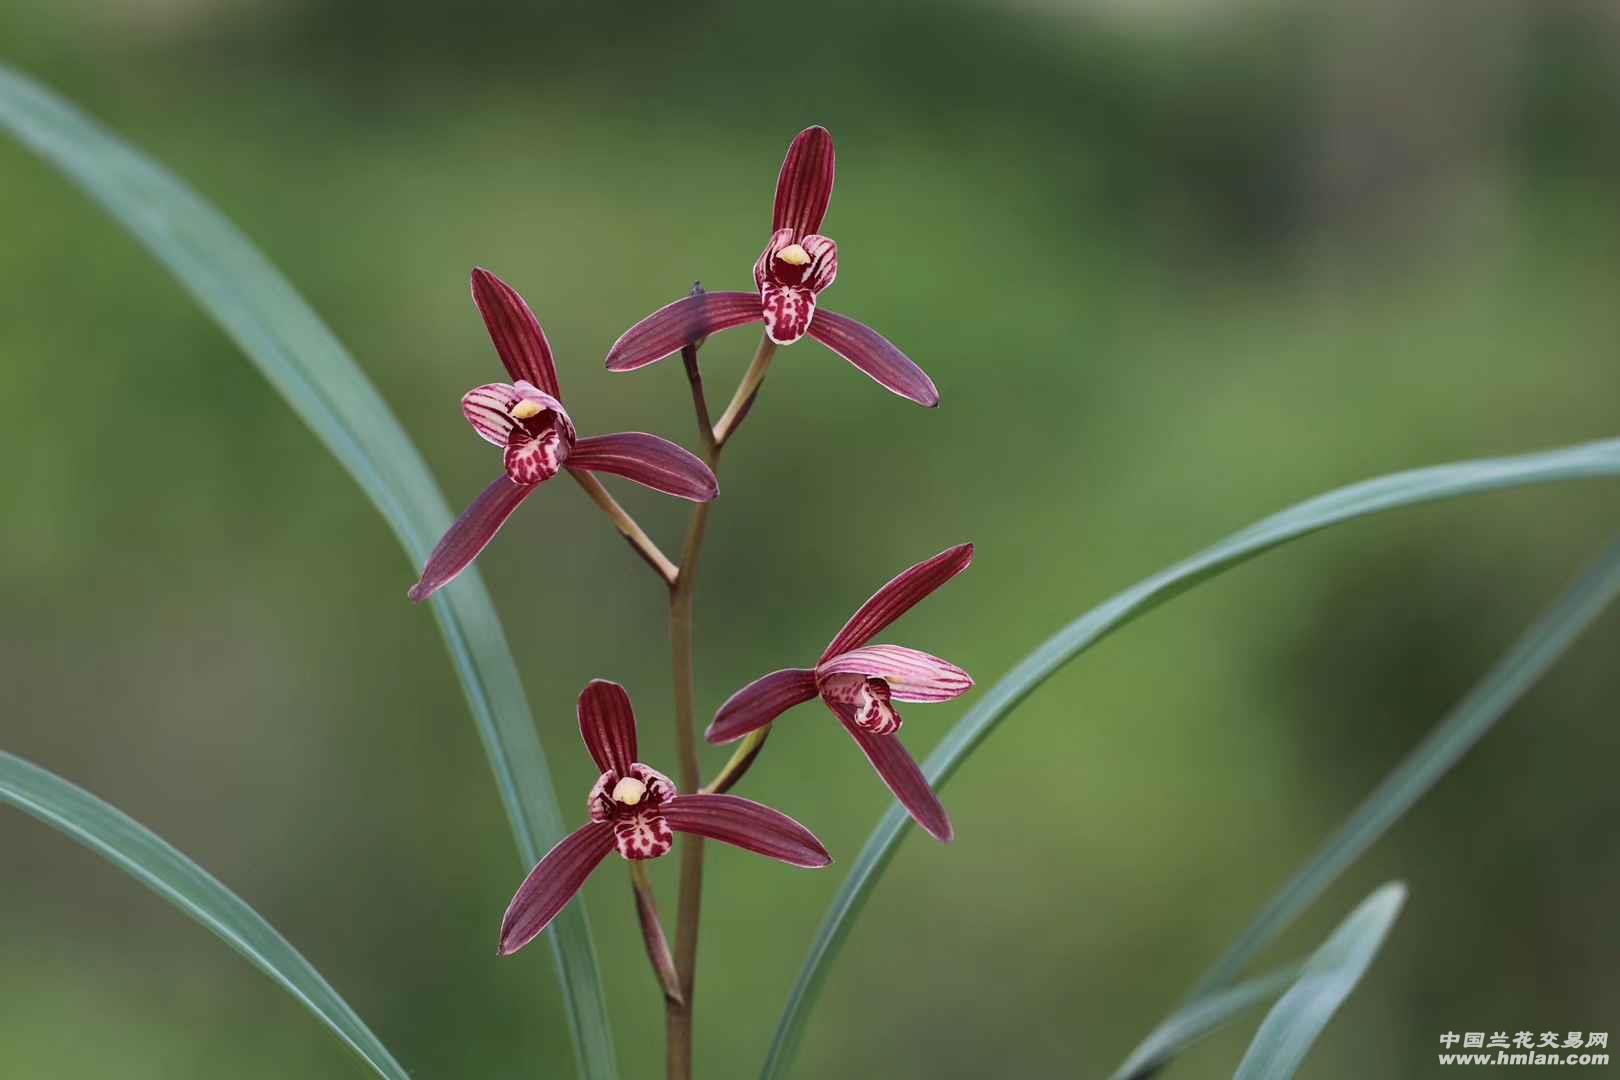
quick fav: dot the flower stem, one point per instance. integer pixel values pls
(678, 1021)
(678, 1013)
(700, 404)
(652, 932)
(741, 759)
(744, 397)
(640, 542)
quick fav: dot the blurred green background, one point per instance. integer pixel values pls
(1174, 265)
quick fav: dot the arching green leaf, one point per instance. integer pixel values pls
(1390, 492)
(301, 358)
(1291, 1028)
(142, 854)
(1199, 1018)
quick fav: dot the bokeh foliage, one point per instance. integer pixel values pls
(1171, 271)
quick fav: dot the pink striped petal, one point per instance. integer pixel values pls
(911, 675)
(899, 596)
(823, 268)
(674, 326)
(805, 185)
(470, 534)
(649, 461)
(554, 881)
(608, 725)
(515, 331)
(876, 356)
(889, 757)
(748, 825)
(488, 409)
(760, 702)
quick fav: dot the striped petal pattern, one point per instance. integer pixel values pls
(875, 356)
(900, 595)
(554, 881)
(515, 332)
(804, 186)
(649, 461)
(900, 772)
(674, 326)
(749, 825)
(607, 723)
(470, 534)
(760, 702)
(488, 409)
(912, 675)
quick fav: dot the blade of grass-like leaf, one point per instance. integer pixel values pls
(1196, 1019)
(1409, 488)
(1529, 658)
(302, 359)
(142, 854)
(1293, 1024)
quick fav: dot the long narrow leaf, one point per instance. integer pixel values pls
(141, 853)
(1200, 1018)
(1291, 1028)
(1592, 459)
(302, 359)
(1529, 658)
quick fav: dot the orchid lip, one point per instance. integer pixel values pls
(869, 699)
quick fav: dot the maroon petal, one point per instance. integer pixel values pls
(552, 883)
(889, 757)
(804, 186)
(649, 461)
(747, 824)
(898, 597)
(515, 331)
(674, 326)
(876, 356)
(470, 534)
(760, 702)
(911, 675)
(608, 725)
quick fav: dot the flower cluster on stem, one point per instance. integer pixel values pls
(632, 809)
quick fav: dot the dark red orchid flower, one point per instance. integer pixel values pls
(860, 683)
(797, 264)
(526, 419)
(637, 810)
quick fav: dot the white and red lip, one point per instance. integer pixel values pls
(790, 273)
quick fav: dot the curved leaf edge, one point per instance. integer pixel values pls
(70, 809)
(201, 248)
(1332, 973)
(1396, 490)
